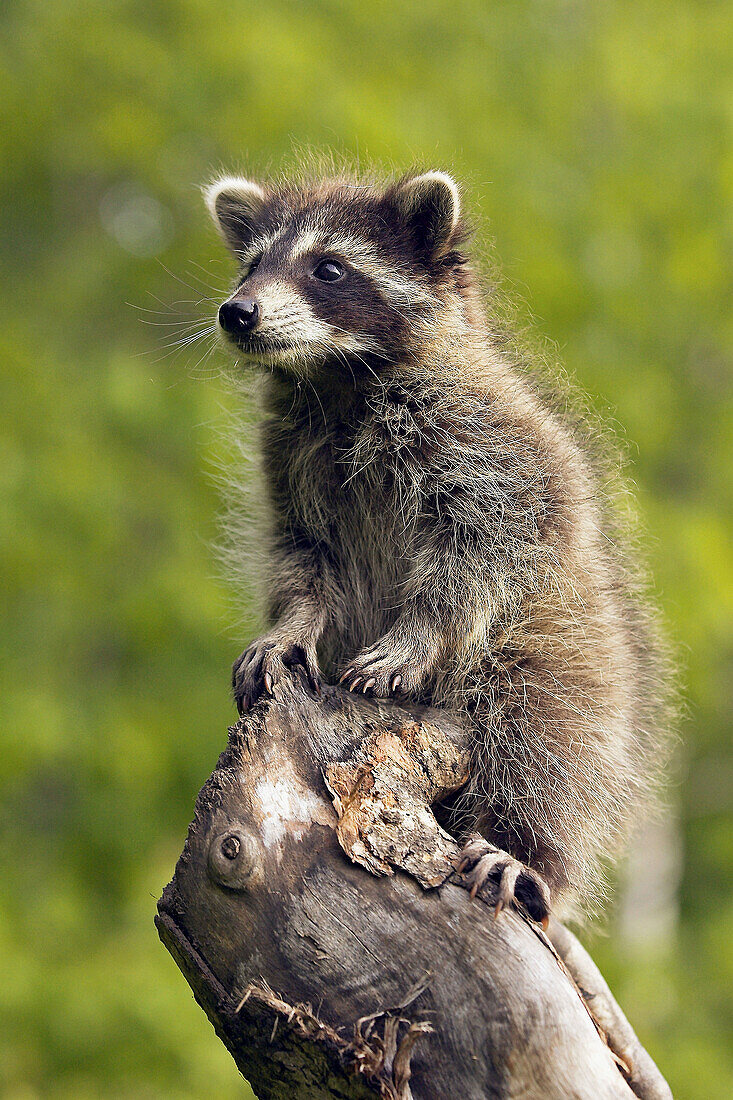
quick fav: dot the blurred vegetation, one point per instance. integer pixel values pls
(596, 142)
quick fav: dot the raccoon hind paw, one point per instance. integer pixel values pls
(510, 882)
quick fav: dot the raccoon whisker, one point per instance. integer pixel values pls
(176, 346)
(170, 305)
(368, 345)
(343, 358)
(312, 388)
(299, 390)
(206, 356)
(346, 359)
(177, 324)
(364, 362)
(191, 337)
(195, 322)
(176, 277)
(216, 289)
(318, 399)
(346, 354)
(169, 311)
(184, 342)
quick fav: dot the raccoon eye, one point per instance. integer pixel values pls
(252, 266)
(328, 271)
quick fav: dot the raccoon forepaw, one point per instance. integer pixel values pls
(510, 881)
(379, 671)
(265, 662)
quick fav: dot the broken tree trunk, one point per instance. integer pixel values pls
(324, 980)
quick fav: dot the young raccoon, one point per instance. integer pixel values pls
(438, 530)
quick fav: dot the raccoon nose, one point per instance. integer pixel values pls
(239, 315)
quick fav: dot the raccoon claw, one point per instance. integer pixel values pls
(265, 662)
(512, 882)
(381, 671)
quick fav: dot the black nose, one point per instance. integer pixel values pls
(239, 315)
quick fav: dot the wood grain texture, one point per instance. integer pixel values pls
(325, 980)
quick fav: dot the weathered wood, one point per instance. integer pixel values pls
(324, 980)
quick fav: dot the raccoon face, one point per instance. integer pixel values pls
(337, 274)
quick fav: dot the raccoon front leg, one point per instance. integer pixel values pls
(448, 600)
(298, 602)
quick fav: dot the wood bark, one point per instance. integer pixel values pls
(325, 978)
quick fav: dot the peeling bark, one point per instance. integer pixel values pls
(325, 981)
(383, 796)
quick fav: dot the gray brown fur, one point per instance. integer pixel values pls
(433, 517)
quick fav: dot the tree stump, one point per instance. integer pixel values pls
(374, 974)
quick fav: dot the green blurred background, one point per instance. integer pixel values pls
(595, 141)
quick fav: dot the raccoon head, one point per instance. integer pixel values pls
(340, 273)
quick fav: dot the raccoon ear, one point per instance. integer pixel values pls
(236, 206)
(432, 206)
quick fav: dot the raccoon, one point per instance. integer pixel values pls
(439, 527)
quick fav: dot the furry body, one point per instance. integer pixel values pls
(437, 529)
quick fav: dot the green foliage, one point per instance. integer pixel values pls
(595, 142)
